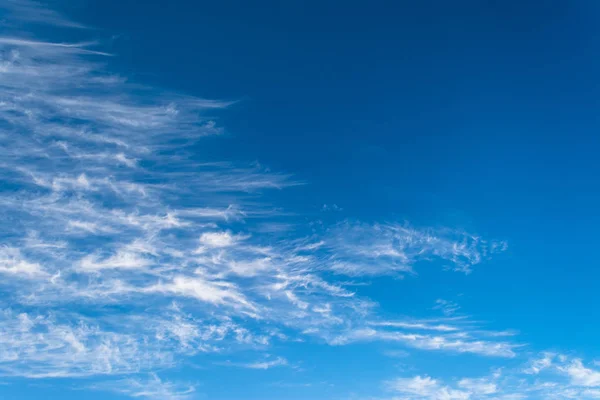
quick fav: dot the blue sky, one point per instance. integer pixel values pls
(299, 200)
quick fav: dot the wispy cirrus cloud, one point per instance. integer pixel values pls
(451, 334)
(457, 343)
(386, 249)
(46, 346)
(446, 306)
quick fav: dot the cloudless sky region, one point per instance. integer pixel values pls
(322, 200)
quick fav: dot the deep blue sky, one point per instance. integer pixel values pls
(470, 116)
(482, 115)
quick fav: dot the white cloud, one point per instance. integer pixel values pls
(88, 227)
(563, 378)
(217, 240)
(251, 267)
(150, 388)
(420, 386)
(266, 364)
(209, 291)
(426, 388)
(581, 375)
(478, 386)
(13, 263)
(121, 259)
(573, 368)
(446, 306)
(417, 325)
(383, 249)
(540, 364)
(429, 342)
(40, 346)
